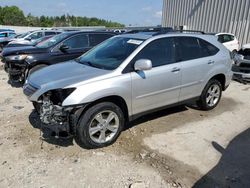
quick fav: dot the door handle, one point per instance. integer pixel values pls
(176, 69)
(210, 62)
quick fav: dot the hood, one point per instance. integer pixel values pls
(23, 50)
(246, 46)
(64, 74)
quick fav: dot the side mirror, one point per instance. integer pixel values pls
(28, 38)
(64, 48)
(143, 65)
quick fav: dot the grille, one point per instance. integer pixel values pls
(29, 90)
(247, 57)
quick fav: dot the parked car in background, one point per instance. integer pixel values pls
(5, 37)
(241, 68)
(22, 61)
(229, 41)
(30, 37)
(125, 77)
(30, 43)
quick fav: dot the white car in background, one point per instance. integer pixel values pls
(32, 36)
(229, 41)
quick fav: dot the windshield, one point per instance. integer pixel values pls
(23, 35)
(111, 53)
(52, 41)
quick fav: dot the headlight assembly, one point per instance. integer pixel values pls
(16, 57)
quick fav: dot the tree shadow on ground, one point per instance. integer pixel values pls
(233, 169)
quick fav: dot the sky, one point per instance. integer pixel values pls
(132, 12)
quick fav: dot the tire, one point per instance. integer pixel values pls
(34, 69)
(211, 95)
(101, 135)
(1, 47)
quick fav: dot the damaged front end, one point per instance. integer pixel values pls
(241, 68)
(60, 120)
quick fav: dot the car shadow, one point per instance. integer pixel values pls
(233, 169)
(155, 115)
(47, 135)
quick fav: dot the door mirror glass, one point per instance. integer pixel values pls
(28, 38)
(143, 65)
(64, 48)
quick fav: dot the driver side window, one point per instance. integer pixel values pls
(160, 52)
(78, 41)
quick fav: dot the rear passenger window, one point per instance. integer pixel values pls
(78, 41)
(160, 52)
(189, 48)
(193, 48)
(95, 39)
(208, 48)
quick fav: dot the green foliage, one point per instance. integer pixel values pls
(14, 16)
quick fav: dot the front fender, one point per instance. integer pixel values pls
(117, 86)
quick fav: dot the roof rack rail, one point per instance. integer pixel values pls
(152, 29)
(180, 31)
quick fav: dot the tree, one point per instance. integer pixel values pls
(12, 16)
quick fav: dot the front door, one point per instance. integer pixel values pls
(77, 45)
(159, 86)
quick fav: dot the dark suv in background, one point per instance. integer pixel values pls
(21, 62)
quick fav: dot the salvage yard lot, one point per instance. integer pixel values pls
(177, 147)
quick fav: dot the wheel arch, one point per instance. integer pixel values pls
(117, 100)
(221, 78)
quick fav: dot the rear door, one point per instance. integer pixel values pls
(197, 59)
(159, 86)
(77, 45)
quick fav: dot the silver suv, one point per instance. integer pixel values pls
(127, 76)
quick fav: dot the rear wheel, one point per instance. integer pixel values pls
(100, 126)
(211, 95)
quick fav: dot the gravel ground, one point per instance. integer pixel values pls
(177, 147)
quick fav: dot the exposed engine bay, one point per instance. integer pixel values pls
(241, 68)
(55, 117)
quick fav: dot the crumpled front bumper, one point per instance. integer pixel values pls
(241, 71)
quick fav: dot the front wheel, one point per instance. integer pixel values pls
(100, 126)
(211, 95)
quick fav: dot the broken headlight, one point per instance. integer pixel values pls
(57, 96)
(16, 57)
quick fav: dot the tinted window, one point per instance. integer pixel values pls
(3, 35)
(36, 35)
(49, 33)
(12, 34)
(160, 52)
(189, 48)
(225, 38)
(207, 48)
(193, 48)
(95, 39)
(78, 41)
